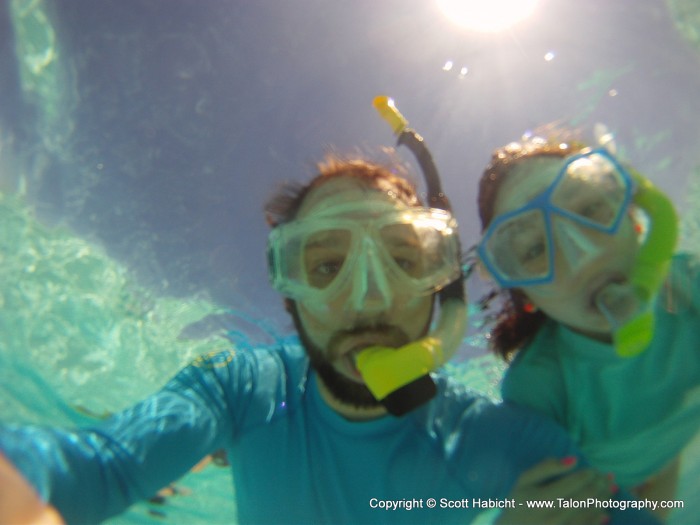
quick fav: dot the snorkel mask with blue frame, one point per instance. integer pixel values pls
(592, 191)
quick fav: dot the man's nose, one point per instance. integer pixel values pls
(370, 288)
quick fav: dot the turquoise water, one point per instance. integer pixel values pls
(72, 323)
(133, 174)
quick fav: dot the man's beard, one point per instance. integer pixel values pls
(342, 388)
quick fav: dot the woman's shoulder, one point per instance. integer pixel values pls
(543, 349)
(682, 288)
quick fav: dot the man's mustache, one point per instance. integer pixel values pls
(384, 334)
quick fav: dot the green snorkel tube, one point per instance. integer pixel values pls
(633, 332)
(399, 378)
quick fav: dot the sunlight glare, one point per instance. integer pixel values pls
(488, 16)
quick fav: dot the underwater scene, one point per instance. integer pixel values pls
(140, 140)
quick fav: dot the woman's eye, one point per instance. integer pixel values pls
(597, 210)
(590, 210)
(533, 252)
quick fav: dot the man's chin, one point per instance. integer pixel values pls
(343, 388)
(339, 386)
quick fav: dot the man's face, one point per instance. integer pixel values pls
(369, 309)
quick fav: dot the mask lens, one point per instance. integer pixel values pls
(422, 253)
(324, 254)
(518, 247)
(402, 242)
(592, 191)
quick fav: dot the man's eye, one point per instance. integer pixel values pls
(328, 268)
(322, 272)
(405, 264)
(410, 262)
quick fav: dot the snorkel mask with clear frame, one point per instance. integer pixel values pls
(364, 248)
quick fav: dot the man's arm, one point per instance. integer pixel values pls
(91, 474)
(19, 504)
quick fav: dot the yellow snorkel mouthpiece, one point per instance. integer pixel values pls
(399, 377)
(387, 371)
(633, 335)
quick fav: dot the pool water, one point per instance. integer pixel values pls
(140, 139)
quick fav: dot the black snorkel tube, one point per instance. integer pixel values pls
(436, 197)
(399, 378)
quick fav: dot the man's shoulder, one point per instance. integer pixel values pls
(257, 383)
(284, 353)
(256, 370)
(457, 396)
(483, 435)
(458, 410)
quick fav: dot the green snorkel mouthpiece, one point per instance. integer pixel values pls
(399, 378)
(628, 307)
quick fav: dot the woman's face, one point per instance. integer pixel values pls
(585, 260)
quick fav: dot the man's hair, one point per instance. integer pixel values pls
(393, 178)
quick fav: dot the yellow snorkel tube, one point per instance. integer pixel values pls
(651, 267)
(399, 377)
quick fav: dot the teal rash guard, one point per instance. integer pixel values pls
(628, 415)
(294, 459)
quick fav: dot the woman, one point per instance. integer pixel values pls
(565, 237)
